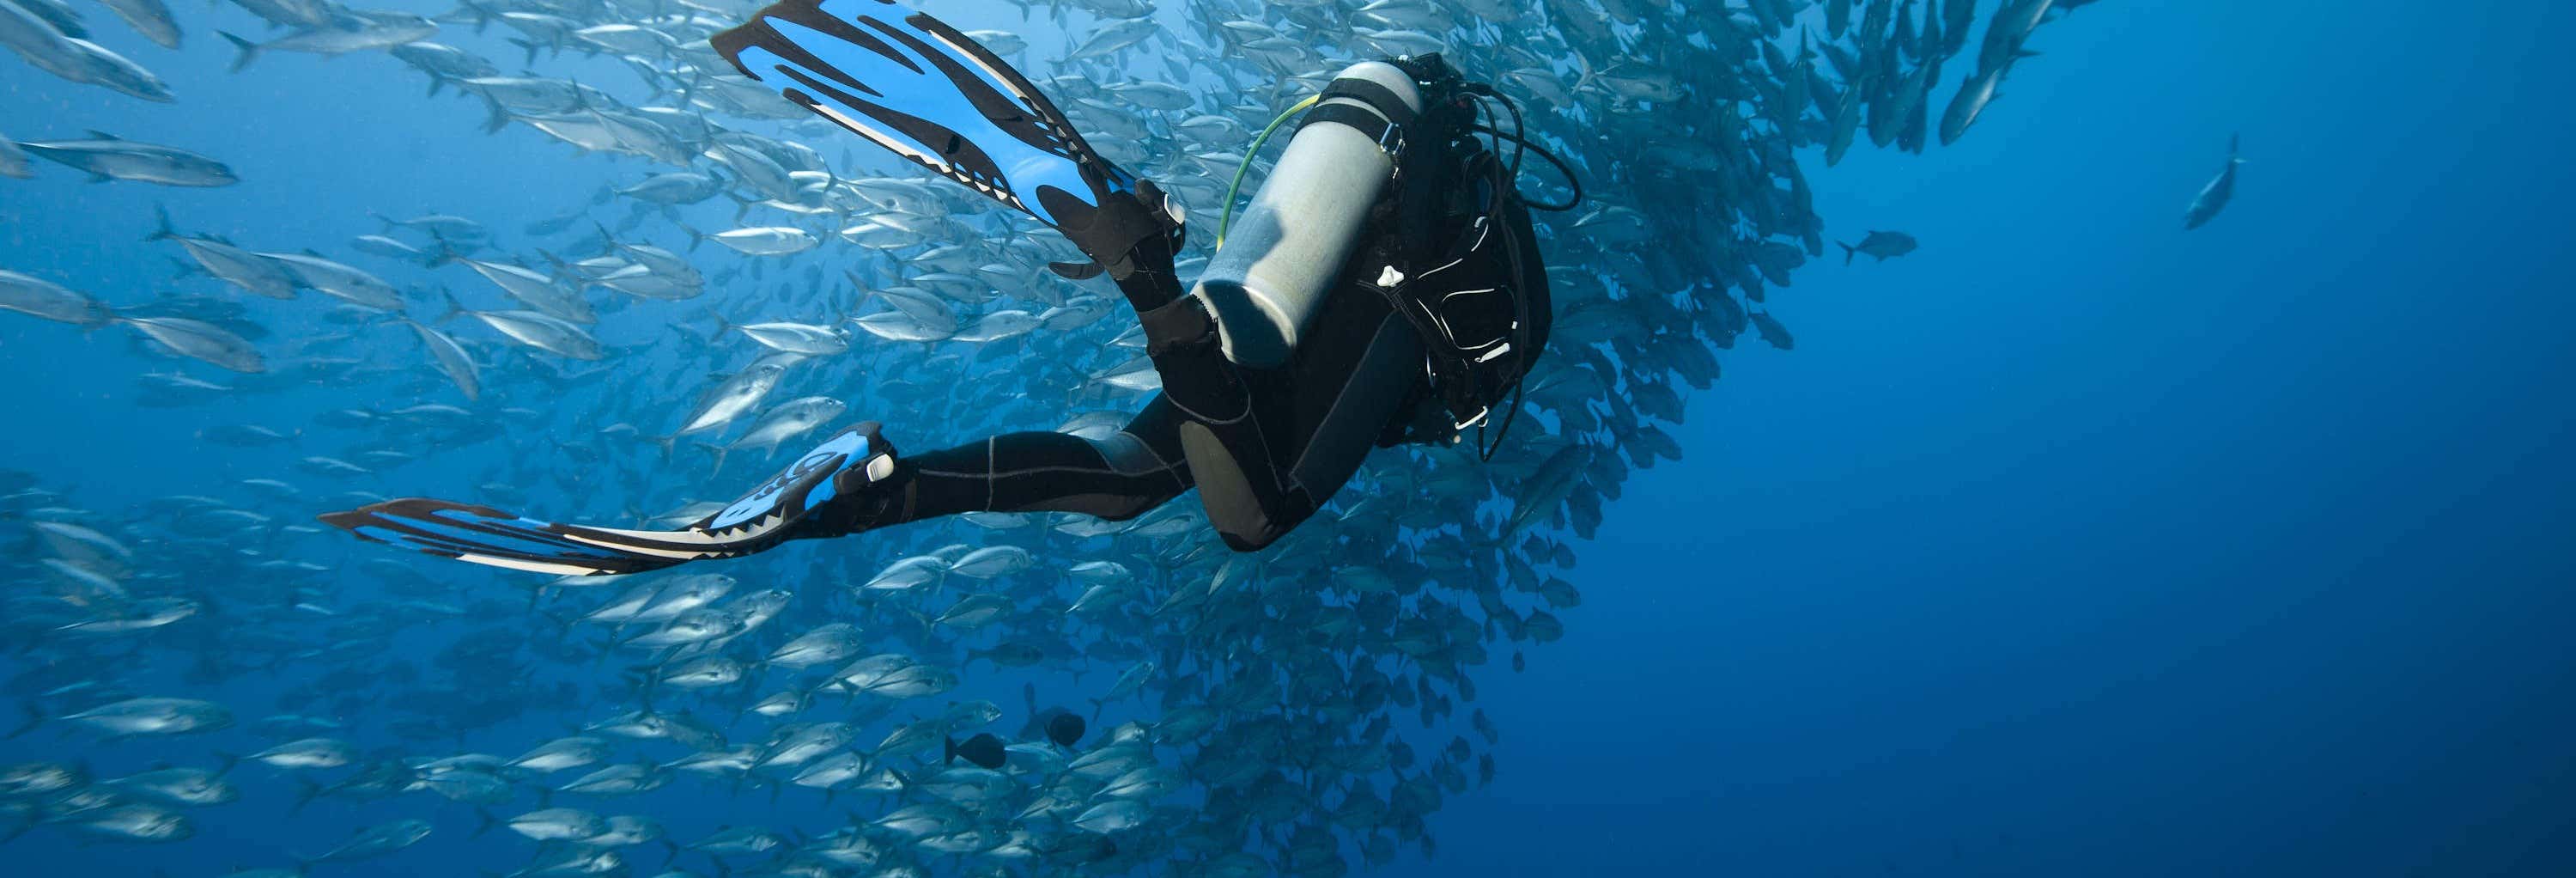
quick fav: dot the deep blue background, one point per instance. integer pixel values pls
(2079, 544)
(2071, 544)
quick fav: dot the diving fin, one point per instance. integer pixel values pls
(778, 509)
(914, 85)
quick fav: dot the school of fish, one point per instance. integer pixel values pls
(999, 694)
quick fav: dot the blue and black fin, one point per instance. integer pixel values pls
(922, 89)
(778, 509)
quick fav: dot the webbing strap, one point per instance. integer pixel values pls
(1378, 96)
(1389, 136)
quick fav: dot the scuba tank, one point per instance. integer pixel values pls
(1274, 269)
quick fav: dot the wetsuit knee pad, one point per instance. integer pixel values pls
(1234, 506)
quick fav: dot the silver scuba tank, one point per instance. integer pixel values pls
(1282, 255)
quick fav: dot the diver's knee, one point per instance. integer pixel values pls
(1248, 542)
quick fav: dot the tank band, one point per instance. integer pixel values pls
(1378, 97)
(1389, 135)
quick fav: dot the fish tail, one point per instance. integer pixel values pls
(245, 50)
(714, 449)
(689, 88)
(1848, 251)
(162, 230)
(484, 821)
(482, 14)
(453, 307)
(497, 118)
(948, 749)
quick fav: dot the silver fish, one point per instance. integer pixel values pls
(342, 282)
(201, 341)
(151, 18)
(38, 297)
(107, 157)
(544, 332)
(451, 357)
(732, 399)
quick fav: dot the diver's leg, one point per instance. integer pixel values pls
(852, 482)
(1268, 447)
(1117, 478)
(829, 489)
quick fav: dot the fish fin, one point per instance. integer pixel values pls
(305, 792)
(95, 134)
(925, 69)
(246, 51)
(162, 230)
(496, 117)
(454, 307)
(718, 451)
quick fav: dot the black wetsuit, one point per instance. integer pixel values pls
(1297, 432)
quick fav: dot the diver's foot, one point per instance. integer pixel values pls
(841, 486)
(845, 484)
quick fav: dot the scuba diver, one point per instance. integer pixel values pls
(1384, 287)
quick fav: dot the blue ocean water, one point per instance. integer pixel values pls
(2071, 543)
